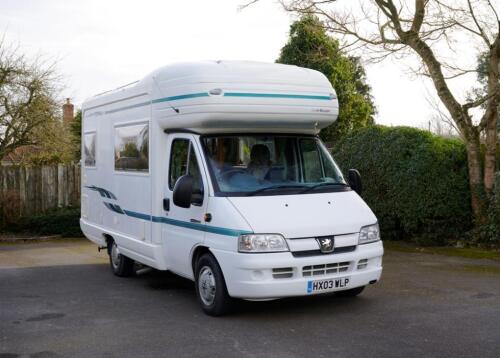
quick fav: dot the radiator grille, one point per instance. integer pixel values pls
(337, 250)
(362, 264)
(325, 269)
(283, 272)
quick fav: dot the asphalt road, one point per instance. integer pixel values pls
(61, 300)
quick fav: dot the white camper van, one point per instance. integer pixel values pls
(215, 171)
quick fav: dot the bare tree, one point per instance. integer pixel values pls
(27, 98)
(438, 33)
(440, 121)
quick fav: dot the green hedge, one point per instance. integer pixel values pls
(65, 222)
(415, 182)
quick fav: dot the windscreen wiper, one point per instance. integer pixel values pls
(309, 188)
(281, 186)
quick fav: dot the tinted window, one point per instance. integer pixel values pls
(194, 171)
(178, 160)
(89, 149)
(132, 147)
(183, 162)
(312, 166)
(257, 163)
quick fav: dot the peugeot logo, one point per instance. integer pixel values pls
(326, 244)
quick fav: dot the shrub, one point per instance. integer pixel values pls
(415, 182)
(9, 208)
(65, 222)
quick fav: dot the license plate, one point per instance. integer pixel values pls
(326, 285)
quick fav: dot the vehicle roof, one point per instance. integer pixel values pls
(222, 71)
(241, 70)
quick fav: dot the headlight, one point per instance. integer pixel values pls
(368, 234)
(262, 243)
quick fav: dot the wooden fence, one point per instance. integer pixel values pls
(35, 190)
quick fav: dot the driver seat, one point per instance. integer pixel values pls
(260, 161)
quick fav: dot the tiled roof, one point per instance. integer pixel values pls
(17, 156)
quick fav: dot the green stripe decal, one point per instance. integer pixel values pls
(137, 215)
(227, 94)
(187, 225)
(159, 100)
(182, 96)
(276, 95)
(164, 220)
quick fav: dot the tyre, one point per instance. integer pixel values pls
(350, 293)
(121, 265)
(211, 288)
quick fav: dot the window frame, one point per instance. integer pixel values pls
(191, 148)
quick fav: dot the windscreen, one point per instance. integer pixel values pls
(267, 164)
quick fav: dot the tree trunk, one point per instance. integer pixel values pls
(490, 154)
(478, 198)
(479, 201)
(491, 117)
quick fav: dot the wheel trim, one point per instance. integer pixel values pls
(116, 257)
(206, 286)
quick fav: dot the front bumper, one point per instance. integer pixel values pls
(251, 276)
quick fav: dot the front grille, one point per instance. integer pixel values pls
(283, 272)
(362, 264)
(325, 269)
(337, 250)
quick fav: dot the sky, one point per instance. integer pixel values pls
(100, 45)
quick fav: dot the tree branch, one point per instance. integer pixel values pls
(247, 4)
(418, 19)
(493, 99)
(481, 31)
(476, 103)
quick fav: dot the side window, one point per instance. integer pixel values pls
(178, 161)
(183, 161)
(331, 169)
(89, 149)
(312, 161)
(194, 171)
(132, 148)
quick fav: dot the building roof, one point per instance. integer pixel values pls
(17, 156)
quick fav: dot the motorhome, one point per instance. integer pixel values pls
(215, 171)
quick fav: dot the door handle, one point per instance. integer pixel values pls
(166, 204)
(195, 221)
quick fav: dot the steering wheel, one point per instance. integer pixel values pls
(231, 172)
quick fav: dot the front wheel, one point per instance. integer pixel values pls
(350, 293)
(121, 266)
(211, 288)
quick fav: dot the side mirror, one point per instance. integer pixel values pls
(183, 191)
(355, 181)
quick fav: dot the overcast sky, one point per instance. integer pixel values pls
(100, 45)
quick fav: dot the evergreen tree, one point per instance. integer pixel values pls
(309, 46)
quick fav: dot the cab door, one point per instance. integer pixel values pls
(183, 228)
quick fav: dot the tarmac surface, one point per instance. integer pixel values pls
(60, 299)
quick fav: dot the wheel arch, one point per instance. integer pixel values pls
(197, 252)
(109, 240)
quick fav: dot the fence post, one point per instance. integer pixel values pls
(22, 192)
(60, 191)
